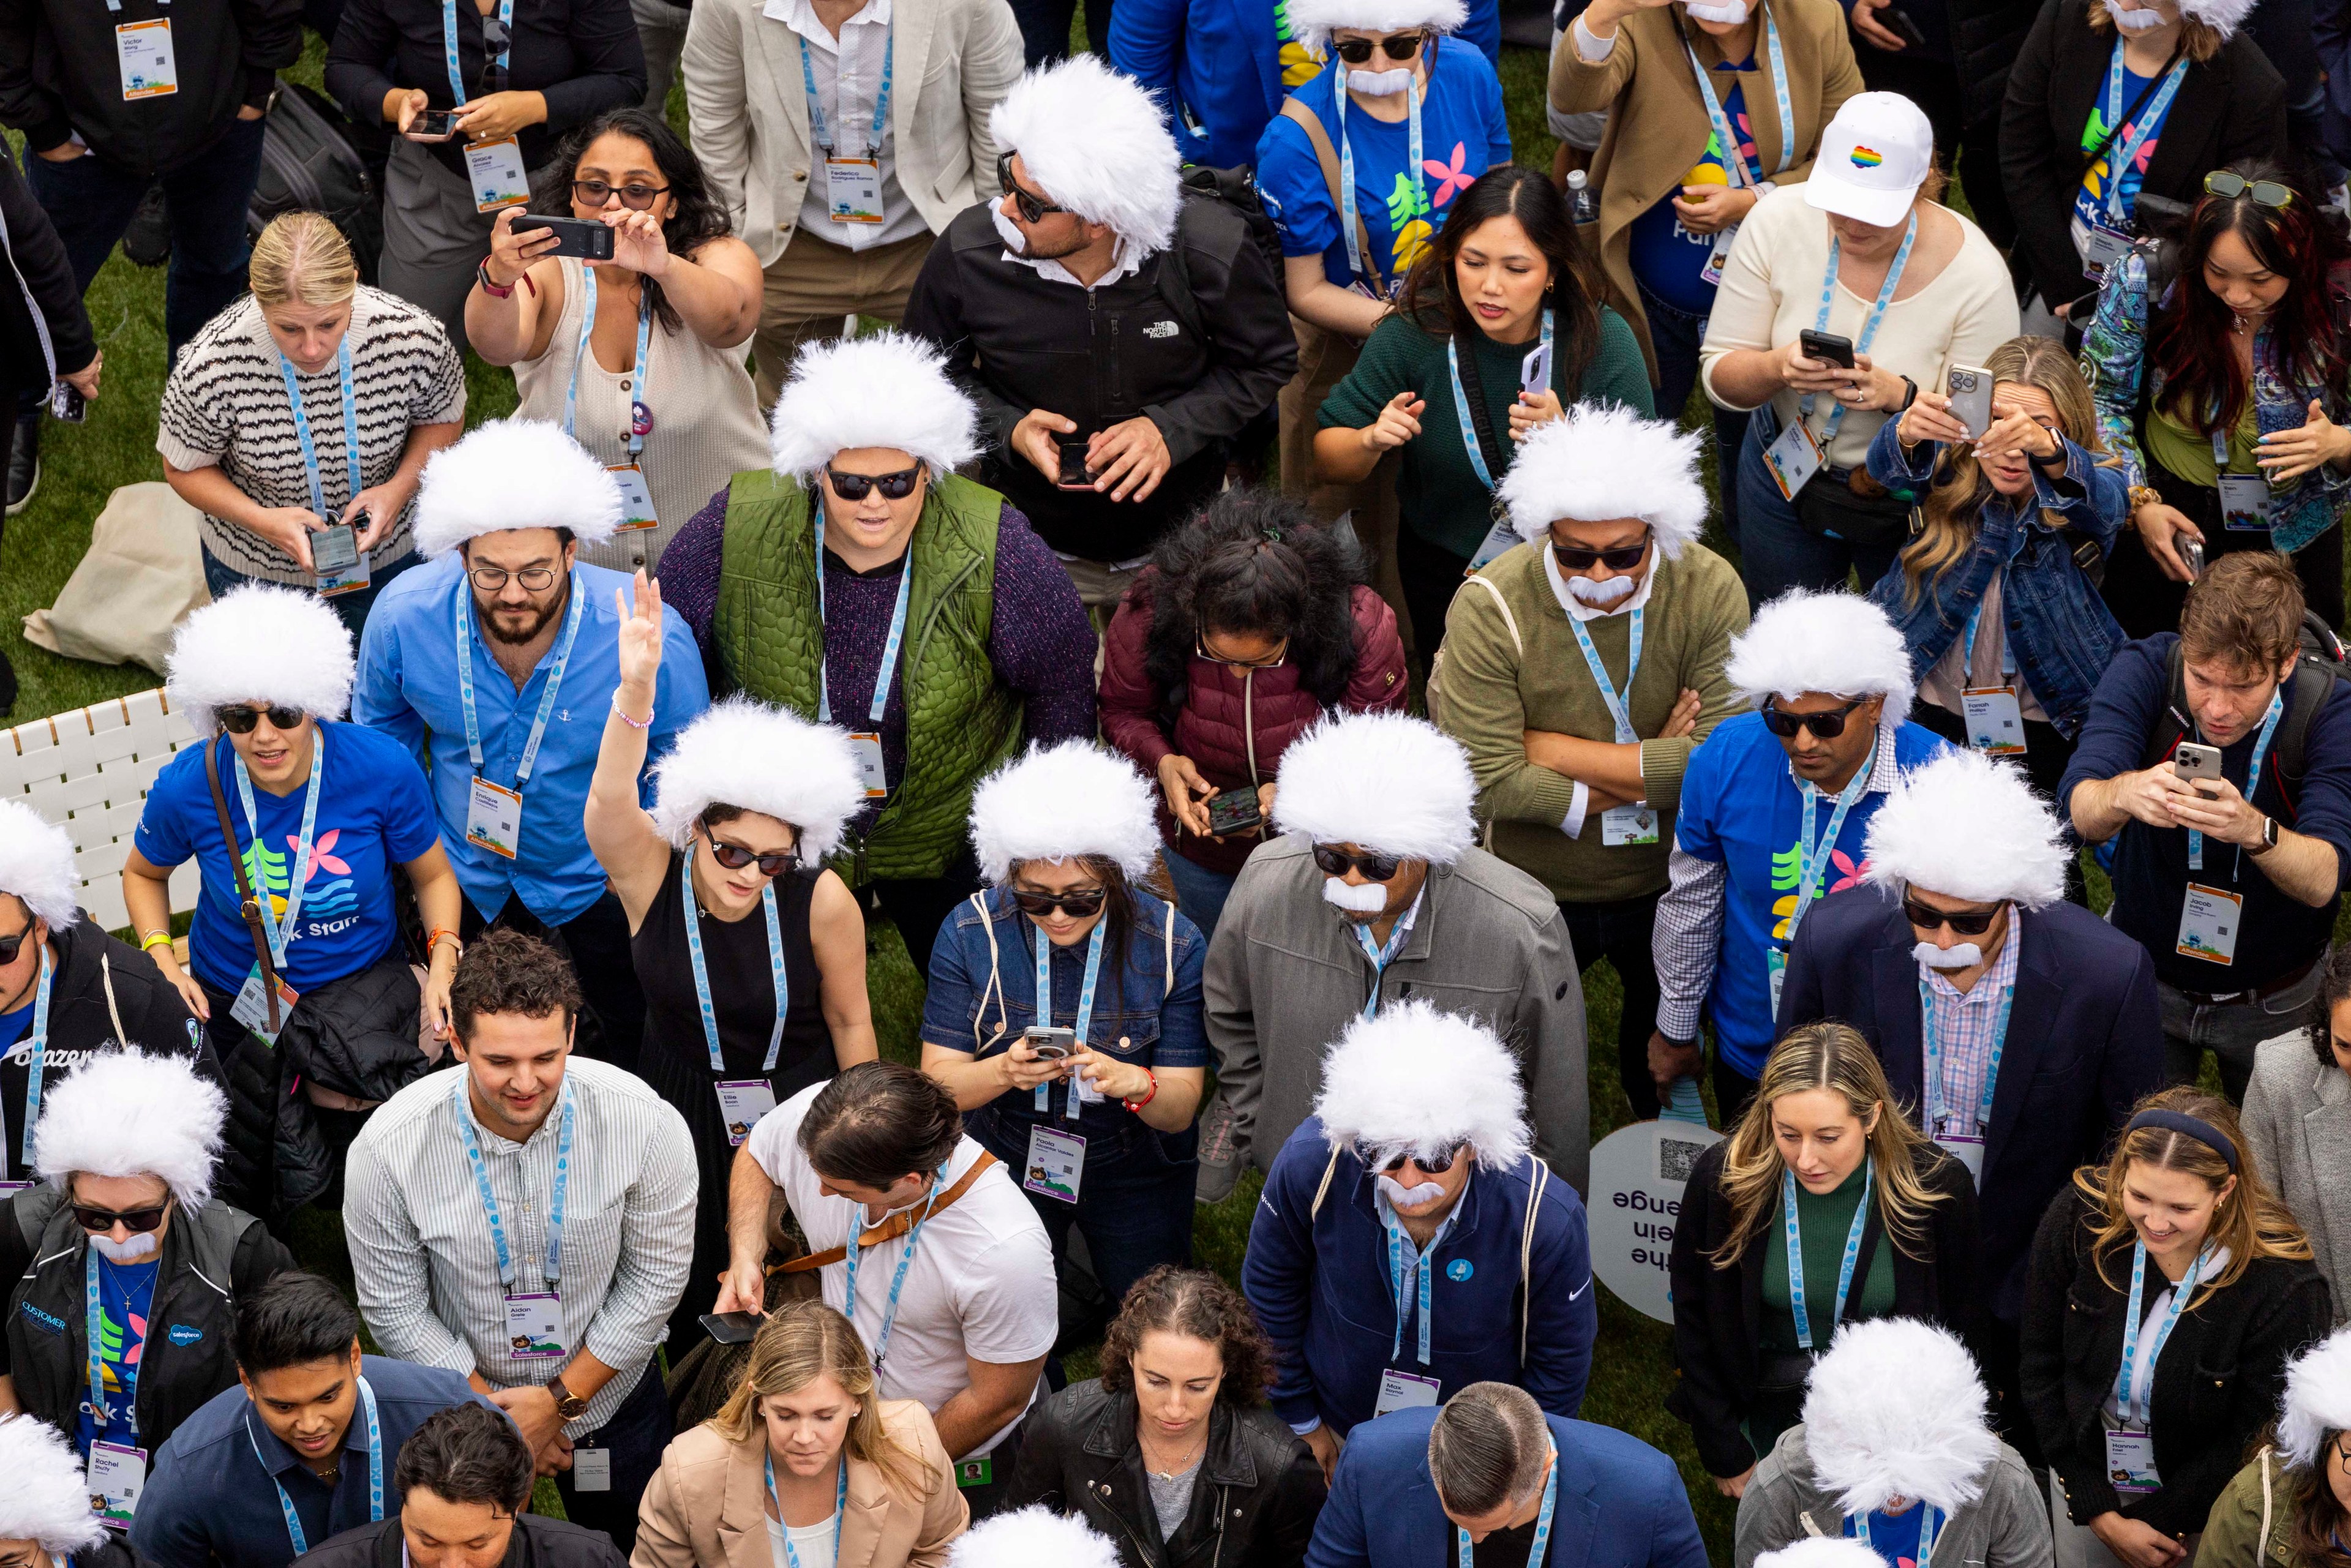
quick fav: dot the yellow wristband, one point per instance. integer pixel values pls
(149, 945)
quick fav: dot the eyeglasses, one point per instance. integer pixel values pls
(735, 857)
(1927, 919)
(1435, 1164)
(1033, 208)
(1397, 46)
(894, 486)
(1077, 904)
(1339, 863)
(2265, 192)
(534, 579)
(1576, 558)
(1826, 725)
(242, 720)
(597, 193)
(11, 945)
(137, 1221)
(1281, 652)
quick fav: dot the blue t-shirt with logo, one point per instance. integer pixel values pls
(125, 1291)
(1464, 133)
(1895, 1536)
(1667, 258)
(14, 1025)
(2090, 197)
(1740, 806)
(374, 810)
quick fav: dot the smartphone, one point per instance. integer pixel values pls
(2189, 760)
(1234, 811)
(334, 549)
(1074, 475)
(66, 405)
(1534, 372)
(1828, 347)
(731, 1328)
(1898, 23)
(433, 125)
(1970, 391)
(1051, 1044)
(587, 238)
(2192, 552)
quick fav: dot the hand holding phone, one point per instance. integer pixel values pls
(1074, 475)
(1829, 348)
(433, 125)
(1234, 812)
(2195, 764)
(334, 549)
(1050, 1044)
(589, 239)
(731, 1328)
(1970, 389)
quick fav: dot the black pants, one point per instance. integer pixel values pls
(918, 907)
(2046, 754)
(1432, 575)
(1619, 931)
(2146, 601)
(613, 1025)
(1999, 1353)
(636, 1436)
(1732, 1090)
(985, 1501)
(1045, 30)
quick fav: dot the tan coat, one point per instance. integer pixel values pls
(1645, 82)
(707, 1506)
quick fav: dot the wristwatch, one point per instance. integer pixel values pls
(482, 271)
(568, 1405)
(2269, 837)
(1909, 395)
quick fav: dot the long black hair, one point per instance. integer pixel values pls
(1253, 560)
(1432, 295)
(696, 217)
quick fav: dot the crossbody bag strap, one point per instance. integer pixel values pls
(1527, 1255)
(1480, 419)
(1315, 1212)
(898, 1223)
(1328, 156)
(247, 906)
(995, 984)
(1168, 988)
(106, 981)
(1509, 622)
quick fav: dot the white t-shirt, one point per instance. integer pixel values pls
(811, 1544)
(980, 1285)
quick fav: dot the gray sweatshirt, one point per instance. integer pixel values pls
(2008, 1527)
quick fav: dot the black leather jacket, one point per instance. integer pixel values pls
(1254, 1501)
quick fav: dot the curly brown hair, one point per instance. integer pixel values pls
(505, 971)
(1195, 1302)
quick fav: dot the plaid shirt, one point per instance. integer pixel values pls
(1964, 1026)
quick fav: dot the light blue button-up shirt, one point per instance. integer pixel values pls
(408, 689)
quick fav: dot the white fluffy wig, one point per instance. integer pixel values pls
(1967, 827)
(1820, 1552)
(127, 1113)
(2317, 1399)
(1835, 643)
(1601, 462)
(1095, 142)
(2223, 16)
(1381, 781)
(36, 864)
(1032, 1537)
(884, 390)
(1896, 1409)
(44, 1500)
(1074, 799)
(748, 755)
(514, 474)
(1411, 1079)
(260, 643)
(1311, 21)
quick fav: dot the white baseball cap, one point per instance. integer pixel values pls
(1873, 157)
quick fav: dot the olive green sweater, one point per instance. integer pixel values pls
(1490, 690)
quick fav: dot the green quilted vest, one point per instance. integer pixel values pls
(960, 720)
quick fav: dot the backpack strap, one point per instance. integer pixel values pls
(995, 983)
(2314, 684)
(1168, 988)
(1173, 278)
(1315, 1211)
(1527, 1254)
(1328, 156)
(106, 982)
(2261, 1547)
(2168, 731)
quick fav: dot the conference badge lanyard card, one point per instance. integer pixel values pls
(495, 167)
(142, 51)
(2100, 247)
(2245, 497)
(1793, 458)
(853, 190)
(2131, 1460)
(2208, 924)
(1634, 824)
(494, 818)
(346, 580)
(1057, 1164)
(1404, 1391)
(1995, 720)
(251, 1007)
(741, 1102)
(116, 1477)
(591, 1469)
(535, 1326)
(636, 497)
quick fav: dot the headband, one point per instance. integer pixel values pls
(2196, 1127)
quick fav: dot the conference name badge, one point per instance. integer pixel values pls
(636, 500)
(493, 819)
(2101, 248)
(2130, 1461)
(1403, 1391)
(2244, 503)
(535, 1326)
(1995, 720)
(741, 1102)
(349, 579)
(8, 1187)
(142, 52)
(866, 746)
(116, 1477)
(1775, 962)
(591, 1469)
(1793, 459)
(496, 169)
(1635, 824)
(251, 1007)
(1967, 1151)
(853, 190)
(1717, 258)
(2208, 924)
(1501, 537)
(1057, 1164)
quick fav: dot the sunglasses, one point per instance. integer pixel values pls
(137, 1221)
(735, 857)
(496, 43)
(1435, 1164)
(1398, 47)
(11, 945)
(1339, 863)
(1281, 652)
(894, 486)
(1576, 558)
(1079, 903)
(1927, 919)
(2265, 192)
(243, 720)
(1826, 725)
(1033, 208)
(597, 193)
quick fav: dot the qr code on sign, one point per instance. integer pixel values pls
(1676, 1157)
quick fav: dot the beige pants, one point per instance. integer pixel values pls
(815, 284)
(1323, 360)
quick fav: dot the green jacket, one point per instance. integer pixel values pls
(2232, 1533)
(961, 721)
(1501, 675)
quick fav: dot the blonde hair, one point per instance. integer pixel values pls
(301, 260)
(1835, 1057)
(800, 1343)
(2202, 39)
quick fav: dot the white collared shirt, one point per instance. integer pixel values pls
(1125, 258)
(848, 75)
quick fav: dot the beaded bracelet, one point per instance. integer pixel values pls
(623, 714)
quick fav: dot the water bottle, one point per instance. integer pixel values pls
(1580, 197)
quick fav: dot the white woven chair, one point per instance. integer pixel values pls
(88, 771)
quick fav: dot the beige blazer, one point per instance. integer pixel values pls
(952, 62)
(707, 1506)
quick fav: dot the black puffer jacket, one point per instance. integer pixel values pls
(38, 294)
(1254, 1501)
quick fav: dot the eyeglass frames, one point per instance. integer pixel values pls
(1033, 208)
(242, 720)
(1339, 863)
(493, 579)
(598, 192)
(2265, 192)
(894, 486)
(1398, 47)
(1200, 651)
(1077, 904)
(1576, 558)
(1925, 919)
(1826, 725)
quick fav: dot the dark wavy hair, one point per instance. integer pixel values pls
(1432, 295)
(2334, 989)
(1195, 1302)
(2318, 1515)
(697, 218)
(1253, 560)
(2189, 336)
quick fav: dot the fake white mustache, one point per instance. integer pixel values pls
(2133, 21)
(1406, 1196)
(1600, 595)
(130, 1251)
(1379, 84)
(1368, 899)
(1728, 16)
(1965, 955)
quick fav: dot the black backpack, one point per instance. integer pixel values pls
(1232, 188)
(2322, 666)
(310, 159)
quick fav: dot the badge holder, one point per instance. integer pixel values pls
(1503, 536)
(1404, 1391)
(741, 1102)
(142, 54)
(2101, 248)
(979, 1472)
(494, 168)
(1793, 459)
(2130, 1461)
(2208, 918)
(853, 190)
(1057, 1164)
(866, 746)
(1776, 965)
(1967, 1151)
(636, 498)
(591, 1469)
(535, 1326)
(116, 1476)
(1634, 824)
(1995, 720)
(1718, 257)
(2244, 503)
(493, 819)
(251, 1007)
(350, 580)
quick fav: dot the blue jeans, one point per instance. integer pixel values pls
(1776, 551)
(1200, 892)
(351, 607)
(1676, 334)
(1134, 1198)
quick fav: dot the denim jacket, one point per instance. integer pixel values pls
(2062, 633)
(1147, 1009)
(2114, 358)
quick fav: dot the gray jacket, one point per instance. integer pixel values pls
(1285, 974)
(2298, 1120)
(2008, 1527)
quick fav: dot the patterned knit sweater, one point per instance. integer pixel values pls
(225, 404)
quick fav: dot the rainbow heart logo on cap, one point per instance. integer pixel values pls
(1867, 157)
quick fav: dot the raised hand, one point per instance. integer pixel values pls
(640, 642)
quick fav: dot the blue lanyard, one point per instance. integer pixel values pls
(819, 130)
(2253, 775)
(701, 971)
(898, 1279)
(1399, 1272)
(1461, 399)
(2120, 158)
(1812, 856)
(40, 1054)
(1869, 323)
(489, 61)
(1363, 266)
(281, 936)
(839, 1498)
(1932, 1051)
(641, 413)
(1085, 1019)
(302, 426)
(551, 1268)
(94, 1329)
(1464, 1556)
(547, 697)
(1734, 163)
(2125, 1379)
(1381, 955)
(1796, 1252)
(889, 645)
(1931, 1530)
(375, 1472)
(2007, 648)
(1608, 694)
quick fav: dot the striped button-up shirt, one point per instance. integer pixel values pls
(421, 1250)
(1965, 1024)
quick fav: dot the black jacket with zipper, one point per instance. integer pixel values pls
(1200, 371)
(535, 1543)
(38, 297)
(2215, 1385)
(1255, 1498)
